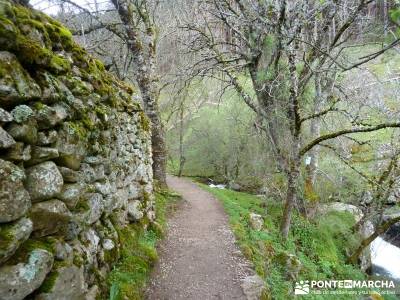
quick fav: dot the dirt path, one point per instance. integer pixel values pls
(198, 257)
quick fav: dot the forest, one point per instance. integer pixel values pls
(274, 121)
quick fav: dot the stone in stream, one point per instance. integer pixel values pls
(19, 280)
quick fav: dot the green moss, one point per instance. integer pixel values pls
(144, 121)
(49, 282)
(81, 206)
(78, 128)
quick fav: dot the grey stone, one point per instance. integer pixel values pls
(93, 293)
(43, 181)
(256, 221)
(26, 132)
(20, 280)
(47, 138)
(108, 244)
(69, 284)
(366, 230)
(94, 208)
(291, 263)
(71, 193)
(69, 175)
(134, 210)
(50, 217)
(12, 235)
(15, 83)
(63, 252)
(14, 199)
(41, 154)
(5, 116)
(6, 140)
(253, 287)
(342, 207)
(50, 116)
(71, 147)
(22, 113)
(18, 152)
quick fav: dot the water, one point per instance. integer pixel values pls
(385, 259)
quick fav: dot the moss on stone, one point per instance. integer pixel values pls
(144, 121)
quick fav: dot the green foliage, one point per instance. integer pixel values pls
(138, 253)
(319, 244)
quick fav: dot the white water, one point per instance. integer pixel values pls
(218, 186)
(386, 256)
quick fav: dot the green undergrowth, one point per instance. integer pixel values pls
(138, 252)
(320, 244)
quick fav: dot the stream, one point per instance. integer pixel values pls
(385, 259)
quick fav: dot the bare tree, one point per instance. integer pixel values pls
(285, 48)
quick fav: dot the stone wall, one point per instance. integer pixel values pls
(75, 162)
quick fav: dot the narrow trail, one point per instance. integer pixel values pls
(198, 257)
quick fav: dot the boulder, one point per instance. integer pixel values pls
(49, 217)
(12, 235)
(90, 208)
(134, 210)
(50, 116)
(253, 287)
(342, 207)
(256, 221)
(63, 252)
(6, 140)
(71, 193)
(22, 113)
(291, 263)
(69, 175)
(26, 132)
(20, 280)
(16, 85)
(64, 283)
(43, 181)
(5, 116)
(14, 199)
(18, 152)
(47, 138)
(41, 154)
(366, 230)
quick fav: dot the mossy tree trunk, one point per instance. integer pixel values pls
(142, 44)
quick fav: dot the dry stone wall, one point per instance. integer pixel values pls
(75, 162)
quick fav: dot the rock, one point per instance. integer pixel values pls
(108, 244)
(49, 217)
(93, 293)
(5, 116)
(67, 283)
(71, 193)
(20, 280)
(22, 113)
(63, 252)
(92, 208)
(12, 235)
(234, 186)
(256, 221)
(365, 257)
(291, 263)
(43, 181)
(6, 140)
(14, 199)
(342, 207)
(18, 152)
(41, 154)
(47, 138)
(48, 117)
(26, 132)
(16, 85)
(253, 287)
(69, 175)
(134, 210)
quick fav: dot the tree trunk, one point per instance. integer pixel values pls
(182, 159)
(291, 197)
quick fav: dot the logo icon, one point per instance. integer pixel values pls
(302, 287)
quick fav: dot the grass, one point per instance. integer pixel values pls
(320, 245)
(138, 252)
